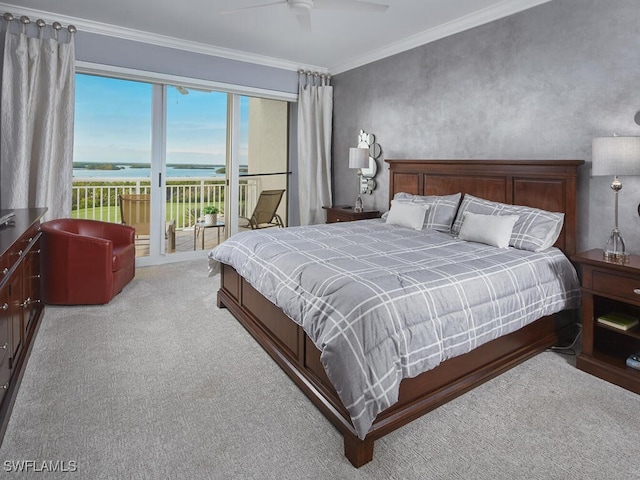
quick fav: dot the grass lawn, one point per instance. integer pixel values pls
(176, 211)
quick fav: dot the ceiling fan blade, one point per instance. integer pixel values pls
(350, 6)
(252, 7)
(304, 20)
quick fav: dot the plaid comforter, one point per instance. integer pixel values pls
(383, 303)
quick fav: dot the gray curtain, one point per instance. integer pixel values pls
(315, 111)
(36, 146)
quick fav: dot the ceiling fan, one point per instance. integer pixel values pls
(302, 8)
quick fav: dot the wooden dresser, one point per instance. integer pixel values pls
(20, 305)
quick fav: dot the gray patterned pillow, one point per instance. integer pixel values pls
(535, 230)
(442, 209)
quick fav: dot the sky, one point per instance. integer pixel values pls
(113, 123)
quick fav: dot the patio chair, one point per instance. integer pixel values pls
(135, 211)
(264, 214)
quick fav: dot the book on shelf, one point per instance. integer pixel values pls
(621, 321)
(633, 363)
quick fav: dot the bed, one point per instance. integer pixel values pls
(296, 345)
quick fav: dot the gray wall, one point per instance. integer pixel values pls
(537, 85)
(107, 50)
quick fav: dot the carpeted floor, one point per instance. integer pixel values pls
(160, 384)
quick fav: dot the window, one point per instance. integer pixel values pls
(173, 143)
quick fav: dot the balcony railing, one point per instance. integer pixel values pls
(98, 199)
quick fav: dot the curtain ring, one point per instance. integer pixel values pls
(25, 23)
(72, 29)
(41, 24)
(302, 78)
(8, 17)
(57, 26)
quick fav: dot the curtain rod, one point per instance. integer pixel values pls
(314, 74)
(57, 26)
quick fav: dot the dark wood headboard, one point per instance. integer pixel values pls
(545, 184)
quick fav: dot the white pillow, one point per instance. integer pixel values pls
(490, 229)
(410, 215)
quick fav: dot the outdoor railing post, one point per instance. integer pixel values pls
(201, 194)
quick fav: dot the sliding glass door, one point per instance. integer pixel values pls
(186, 166)
(196, 154)
(112, 153)
(261, 162)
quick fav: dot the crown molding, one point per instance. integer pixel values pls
(486, 15)
(99, 28)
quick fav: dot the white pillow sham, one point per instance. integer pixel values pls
(490, 229)
(410, 215)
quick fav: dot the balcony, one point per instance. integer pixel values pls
(97, 199)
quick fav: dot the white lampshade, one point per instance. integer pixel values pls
(358, 157)
(616, 156)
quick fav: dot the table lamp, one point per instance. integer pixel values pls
(616, 156)
(358, 158)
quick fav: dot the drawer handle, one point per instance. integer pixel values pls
(636, 291)
(5, 386)
(26, 302)
(5, 306)
(5, 271)
(4, 347)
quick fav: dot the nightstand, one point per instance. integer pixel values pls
(606, 287)
(344, 213)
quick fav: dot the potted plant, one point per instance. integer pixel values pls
(210, 213)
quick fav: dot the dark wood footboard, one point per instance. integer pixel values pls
(290, 347)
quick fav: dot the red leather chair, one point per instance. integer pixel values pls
(85, 262)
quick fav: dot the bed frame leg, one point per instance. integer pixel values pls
(358, 451)
(219, 303)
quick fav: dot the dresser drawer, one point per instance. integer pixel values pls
(617, 285)
(5, 375)
(5, 349)
(333, 217)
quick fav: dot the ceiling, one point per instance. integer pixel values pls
(338, 40)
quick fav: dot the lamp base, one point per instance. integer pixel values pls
(615, 249)
(358, 206)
